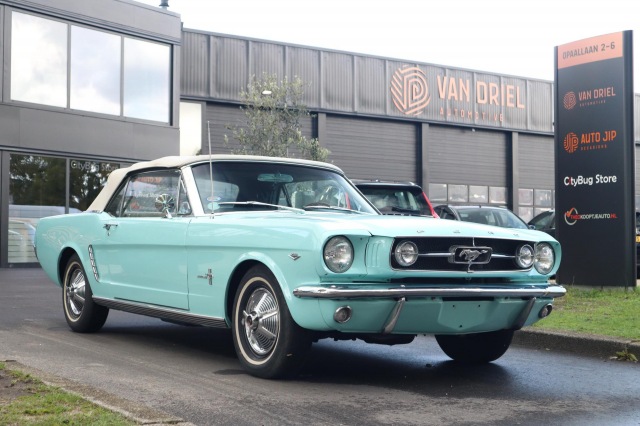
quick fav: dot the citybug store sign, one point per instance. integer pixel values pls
(594, 147)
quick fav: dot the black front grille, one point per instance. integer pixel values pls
(436, 254)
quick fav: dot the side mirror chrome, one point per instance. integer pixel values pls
(165, 204)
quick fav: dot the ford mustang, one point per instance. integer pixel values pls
(284, 252)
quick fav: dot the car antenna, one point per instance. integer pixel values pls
(210, 162)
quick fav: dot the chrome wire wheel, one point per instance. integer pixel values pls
(261, 321)
(74, 293)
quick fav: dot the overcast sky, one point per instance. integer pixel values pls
(514, 37)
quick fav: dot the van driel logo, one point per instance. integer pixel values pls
(569, 101)
(409, 90)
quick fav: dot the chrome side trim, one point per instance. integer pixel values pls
(161, 312)
(334, 292)
(92, 260)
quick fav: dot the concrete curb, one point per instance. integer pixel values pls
(575, 343)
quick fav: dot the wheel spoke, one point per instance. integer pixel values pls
(263, 331)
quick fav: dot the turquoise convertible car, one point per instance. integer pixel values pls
(285, 252)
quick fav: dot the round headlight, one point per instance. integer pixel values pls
(524, 256)
(544, 258)
(338, 254)
(406, 253)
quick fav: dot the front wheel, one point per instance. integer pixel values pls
(80, 311)
(477, 348)
(267, 340)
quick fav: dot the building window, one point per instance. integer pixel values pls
(534, 201)
(86, 179)
(478, 194)
(38, 60)
(146, 80)
(36, 190)
(95, 73)
(108, 73)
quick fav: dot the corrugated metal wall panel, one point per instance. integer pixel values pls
(536, 158)
(305, 63)
(373, 149)
(540, 106)
(637, 177)
(229, 67)
(462, 156)
(370, 84)
(636, 121)
(266, 58)
(219, 116)
(337, 81)
(194, 77)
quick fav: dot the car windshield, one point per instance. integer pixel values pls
(397, 200)
(233, 186)
(492, 216)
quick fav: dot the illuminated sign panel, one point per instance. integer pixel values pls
(595, 212)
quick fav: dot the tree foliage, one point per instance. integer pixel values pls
(273, 111)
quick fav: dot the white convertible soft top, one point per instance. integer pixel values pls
(172, 162)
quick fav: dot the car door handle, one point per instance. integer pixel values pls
(108, 227)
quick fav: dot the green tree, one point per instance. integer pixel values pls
(273, 111)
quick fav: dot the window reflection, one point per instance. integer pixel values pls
(38, 60)
(146, 80)
(85, 182)
(95, 72)
(36, 190)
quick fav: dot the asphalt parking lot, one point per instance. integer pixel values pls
(584, 345)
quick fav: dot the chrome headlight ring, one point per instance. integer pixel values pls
(525, 256)
(338, 254)
(545, 258)
(406, 253)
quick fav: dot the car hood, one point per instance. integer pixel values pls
(387, 225)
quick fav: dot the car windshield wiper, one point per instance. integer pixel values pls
(336, 208)
(260, 204)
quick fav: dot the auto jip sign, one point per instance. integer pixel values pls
(594, 147)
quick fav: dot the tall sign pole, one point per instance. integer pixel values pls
(595, 161)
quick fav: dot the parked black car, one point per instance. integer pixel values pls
(399, 198)
(545, 222)
(488, 215)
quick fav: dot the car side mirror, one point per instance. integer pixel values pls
(165, 204)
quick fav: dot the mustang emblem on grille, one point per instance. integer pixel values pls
(470, 255)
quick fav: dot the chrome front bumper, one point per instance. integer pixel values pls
(335, 292)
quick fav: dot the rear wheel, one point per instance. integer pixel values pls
(268, 342)
(478, 348)
(80, 311)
